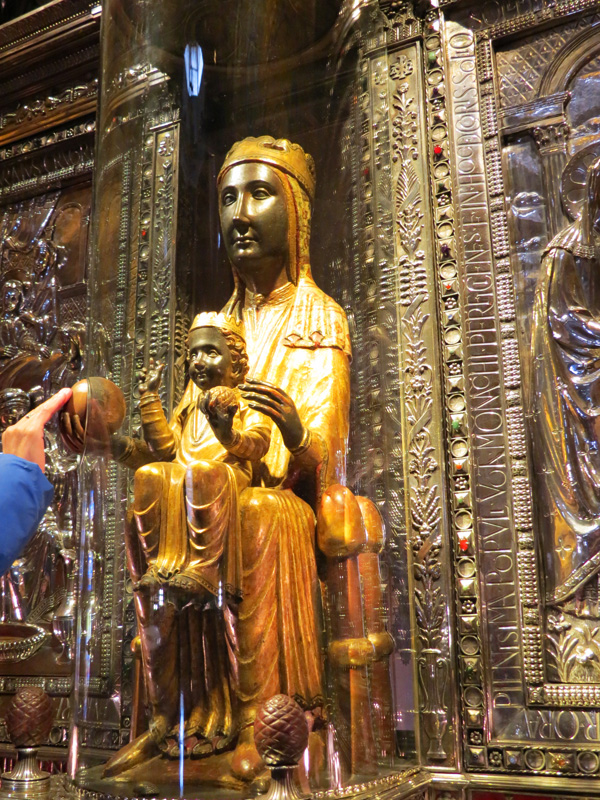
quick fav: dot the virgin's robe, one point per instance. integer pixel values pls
(297, 339)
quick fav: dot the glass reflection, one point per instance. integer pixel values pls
(205, 663)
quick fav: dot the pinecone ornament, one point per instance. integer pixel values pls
(29, 717)
(281, 732)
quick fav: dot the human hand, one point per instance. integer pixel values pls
(149, 378)
(220, 406)
(278, 406)
(26, 437)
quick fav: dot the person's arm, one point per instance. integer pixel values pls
(26, 437)
(25, 492)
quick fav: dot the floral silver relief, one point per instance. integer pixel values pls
(417, 314)
(44, 214)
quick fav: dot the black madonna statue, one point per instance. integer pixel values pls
(286, 512)
(565, 409)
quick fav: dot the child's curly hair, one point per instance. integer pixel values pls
(239, 356)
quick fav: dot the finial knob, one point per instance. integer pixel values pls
(29, 717)
(281, 732)
(28, 721)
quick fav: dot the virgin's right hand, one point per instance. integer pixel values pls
(72, 432)
(77, 441)
(149, 378)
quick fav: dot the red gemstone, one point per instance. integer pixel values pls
(463, 544)
(437, 150)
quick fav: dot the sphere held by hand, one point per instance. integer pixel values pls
(222, 399)
(100, 406)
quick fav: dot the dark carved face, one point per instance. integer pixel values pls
(12, 296)
(210, 360)
(254, 218)
(14, 404)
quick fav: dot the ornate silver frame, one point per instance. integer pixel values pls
(514, 719)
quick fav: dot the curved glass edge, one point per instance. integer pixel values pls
(142, 91)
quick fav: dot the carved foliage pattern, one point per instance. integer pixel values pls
(412, 279)
(44, 107)
(423, 474)
(399, 328)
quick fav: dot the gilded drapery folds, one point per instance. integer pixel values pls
(297, 340)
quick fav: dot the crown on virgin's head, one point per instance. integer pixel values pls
(216, 319)
(279, 153)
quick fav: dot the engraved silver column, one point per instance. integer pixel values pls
(552, 143)
(131, 318)
(396, 262)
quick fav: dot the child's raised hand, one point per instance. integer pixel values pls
(149, 378)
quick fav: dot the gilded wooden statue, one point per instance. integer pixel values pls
(235, 498)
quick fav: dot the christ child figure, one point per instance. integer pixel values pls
(186, 501)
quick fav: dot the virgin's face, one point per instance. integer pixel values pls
(254, 218)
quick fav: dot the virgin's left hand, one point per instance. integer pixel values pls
(278, 406)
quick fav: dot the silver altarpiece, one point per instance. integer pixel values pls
(454, 142)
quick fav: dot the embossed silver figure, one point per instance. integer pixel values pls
(565, 409)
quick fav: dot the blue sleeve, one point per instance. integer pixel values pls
(25, 494)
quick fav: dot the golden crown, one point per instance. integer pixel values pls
(214, 319)
(279, 153)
